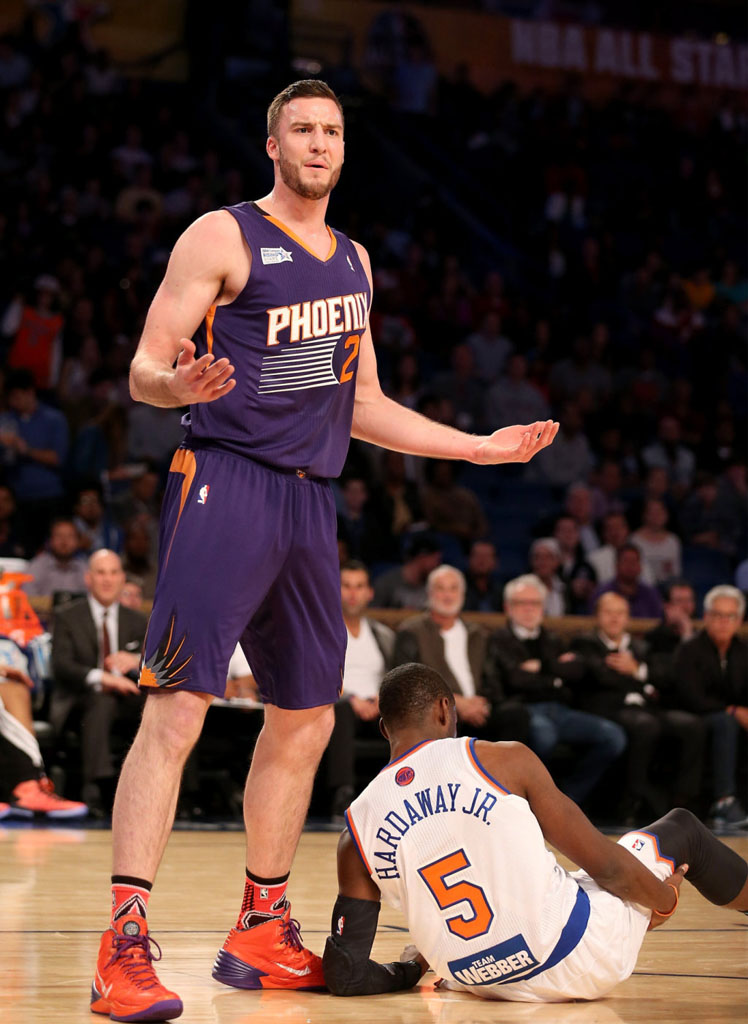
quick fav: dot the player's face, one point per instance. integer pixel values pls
(355, 592)
(308, 146)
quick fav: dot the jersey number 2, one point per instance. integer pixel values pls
(354, 341)
(446, 896)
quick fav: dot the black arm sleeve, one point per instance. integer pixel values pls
(345, 962)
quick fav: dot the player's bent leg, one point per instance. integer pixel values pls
(719, 874)
(265, 950)
(126, 985)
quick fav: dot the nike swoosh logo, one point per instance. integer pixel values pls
(104, 989)
(294, 970)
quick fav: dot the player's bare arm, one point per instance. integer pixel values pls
(380, 420)
(348, 969)
(209, 264)
(570, 831)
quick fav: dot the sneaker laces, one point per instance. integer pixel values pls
(136, 953)
(291, 933)
(48, 788)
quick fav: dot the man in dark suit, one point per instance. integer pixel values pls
(711, 671)
(534, 668)
(95, 657)
(456, 649)
(617, 685)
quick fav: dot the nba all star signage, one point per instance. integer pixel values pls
(380, 35)
(636, 55)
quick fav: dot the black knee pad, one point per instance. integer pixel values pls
(714, 869)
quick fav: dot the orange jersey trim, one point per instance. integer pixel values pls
(470, 748)
(406, 754)
(183, 462)
(333, 240)
(356, 839)
(656, 843)
(209, 318)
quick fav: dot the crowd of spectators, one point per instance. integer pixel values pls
(606, 287)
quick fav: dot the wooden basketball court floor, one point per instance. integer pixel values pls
(54, 888)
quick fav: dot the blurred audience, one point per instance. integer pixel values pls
(533, 666)
(441, 639)
(616, 683)
(368, 656)
(711, 672)
(96, 648)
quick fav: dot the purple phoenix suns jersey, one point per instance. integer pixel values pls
(292, 335)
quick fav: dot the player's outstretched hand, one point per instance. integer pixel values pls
(411, 953)
(676, 880)
(200, 380)
(516, 444)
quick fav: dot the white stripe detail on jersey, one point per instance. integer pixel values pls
(320, 341)
(301, 387)
(297, 370)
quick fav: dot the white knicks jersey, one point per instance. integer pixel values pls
(487, 904)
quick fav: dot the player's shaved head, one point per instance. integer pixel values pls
(408, 693)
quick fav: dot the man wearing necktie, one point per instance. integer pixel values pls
(95, 658)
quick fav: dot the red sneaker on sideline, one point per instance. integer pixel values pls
(37, 796)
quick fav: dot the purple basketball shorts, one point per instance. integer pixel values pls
(247, 555)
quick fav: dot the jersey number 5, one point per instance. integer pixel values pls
(354, 341)
(458, 892)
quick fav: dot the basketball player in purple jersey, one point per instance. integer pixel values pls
(260, 326)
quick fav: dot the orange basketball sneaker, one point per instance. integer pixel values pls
(126, 986)
(268, 955)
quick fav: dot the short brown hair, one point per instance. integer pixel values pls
(307, 87)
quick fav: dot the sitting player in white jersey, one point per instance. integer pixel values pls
(453, 832)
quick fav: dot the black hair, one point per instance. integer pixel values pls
(407, 692)
(353, 565)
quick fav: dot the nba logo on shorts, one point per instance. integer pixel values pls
(203, 496)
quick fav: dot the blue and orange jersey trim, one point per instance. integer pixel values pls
(656, 840)
(406, 754)
(352, 831)
(475, 761)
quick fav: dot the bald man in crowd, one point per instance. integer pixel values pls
(95, 657)
(617, 685)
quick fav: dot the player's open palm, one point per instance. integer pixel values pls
(200, 380)
(517, 443)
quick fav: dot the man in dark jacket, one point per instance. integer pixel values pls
(456, 649)
(616, 684)
(533, 668)
(664, 640)
(95, 656)
(712, 678)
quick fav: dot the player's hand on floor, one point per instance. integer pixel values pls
(411, 953)
(518, 443)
